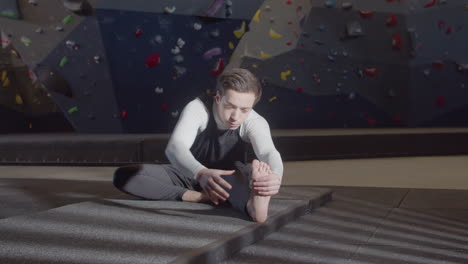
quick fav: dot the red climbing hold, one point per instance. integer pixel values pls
(164, 107)
(299, 90)
(309, 109)
(441, 24)
(392, 21)
(366, 14)
(396, 119)
(289, 43)
(289, 22)
(431, 3)
(371, 72)
(440, 101)
(153, 60)
(371, 122)
(219, 67)
(438, 64)
(123, 114)
(396, 41)
(289, 2)
(449, 30)
(138, 32)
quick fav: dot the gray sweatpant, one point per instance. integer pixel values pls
(166, 182)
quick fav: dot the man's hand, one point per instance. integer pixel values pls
(267, 185)
(212, 184)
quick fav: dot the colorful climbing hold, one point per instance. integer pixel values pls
(219, 68)
(231, 45)
(371, 72)
(371, 121)
(73, 110)
(169, 10)
(138, 32)
(153, 60)
(440, 101)
(274, 35)
(164, 107)
(271, 99)
(123, 114)
(438, 64)
(299, 90)
(264, 55)
(330, 3)
(63, 61)
(256, 17)
(18, 99)
(212, 53)
(26, 41)
(346, 5)
(158, 90)
(197, 26)
(240, 32)
(366, 14)
(396, 41)
(214, 7)
(430, 3)
(309, 109)
(284, 75)
(392, 20)
(67, 19)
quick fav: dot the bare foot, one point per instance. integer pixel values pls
(194, 197)
(257, 206)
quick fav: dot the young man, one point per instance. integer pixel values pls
(207, 152)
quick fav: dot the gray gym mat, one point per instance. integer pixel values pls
(134, 231)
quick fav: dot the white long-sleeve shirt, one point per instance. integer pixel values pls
(194, 119)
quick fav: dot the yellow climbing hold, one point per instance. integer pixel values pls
(284, 75)
(231, 45)
(208, 91)
(6, 82)
(30, 125)
(254, 66)
(462, 85)
(19, 100)
(238, 33)
(4, 75)
(256, 18)
(264, 55)
(274, 35)
(272, 99)
(466, 7)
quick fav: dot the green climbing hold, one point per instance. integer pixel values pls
(63, 61)
(73, 110)
(67, 19)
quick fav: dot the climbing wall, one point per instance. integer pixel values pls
(117, 66)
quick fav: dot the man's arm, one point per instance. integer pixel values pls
(193, 118)
(258, 133)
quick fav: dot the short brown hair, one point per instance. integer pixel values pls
(239, 80)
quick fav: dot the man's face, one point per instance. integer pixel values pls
(234, 107)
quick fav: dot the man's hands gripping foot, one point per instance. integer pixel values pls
(214, 185)
(264, 184)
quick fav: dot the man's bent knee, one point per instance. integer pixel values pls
(123, 174)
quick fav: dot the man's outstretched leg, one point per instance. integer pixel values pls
(257, 206)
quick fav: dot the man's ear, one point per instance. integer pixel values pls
(217, 97)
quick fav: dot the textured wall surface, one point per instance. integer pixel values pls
(131, 66)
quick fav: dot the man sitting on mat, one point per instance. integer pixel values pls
(208, 153)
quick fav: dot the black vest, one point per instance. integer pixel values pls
(219, 149)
